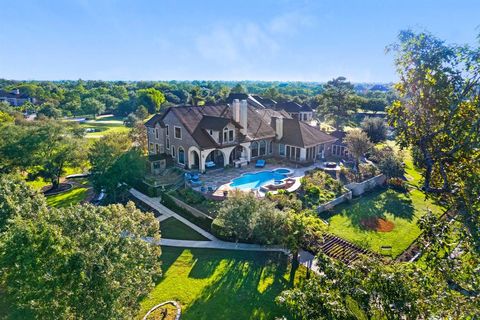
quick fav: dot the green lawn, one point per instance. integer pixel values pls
(171, 228)
(403, 210)
(70, 197)
(220, 284)
(103, 126)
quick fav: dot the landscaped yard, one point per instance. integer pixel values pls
(67, 198)
(103, 127)
(171, 228)
(219, 284)
(392, 213)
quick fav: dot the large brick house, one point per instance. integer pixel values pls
(235, 133)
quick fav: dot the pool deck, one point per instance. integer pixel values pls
(219, 180)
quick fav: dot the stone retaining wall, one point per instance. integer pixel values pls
(359, 188)
(194, 211)
(329, 205)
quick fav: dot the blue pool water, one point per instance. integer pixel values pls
(257, 179)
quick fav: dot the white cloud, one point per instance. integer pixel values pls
(291, 22)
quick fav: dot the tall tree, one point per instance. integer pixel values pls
(238, 88)
(375, 128)
(115, 164)
(358, 144)
(92, 106)
(338, 102)
(81, 262)
(151, 98)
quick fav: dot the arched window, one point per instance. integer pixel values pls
(181, 155)
(263, 148)
(254, 149)
(225, 134)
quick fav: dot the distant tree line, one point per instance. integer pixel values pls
(90, 98)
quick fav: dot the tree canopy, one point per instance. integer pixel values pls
(81, 262)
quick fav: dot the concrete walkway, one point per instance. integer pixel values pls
(214, 242)
(305, 258)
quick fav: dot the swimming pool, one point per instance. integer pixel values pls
(255, 180)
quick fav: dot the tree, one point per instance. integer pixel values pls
(5, 117)
(80, 262)
(437, 110)
(375, 128)
(16, 198)
(391, 166)
(43, 148)
(141, 113)
(337, 102)
(151, 98)
(358, 144)
(238, 88)
(49, 110)
(92, 106)
(131, 120)
(138, 135)
(115, 164)
(243, 217)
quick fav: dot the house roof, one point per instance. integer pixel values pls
(267, 102)
(301, 134)
(215, 123)
(153, 120)
(13, 95)
(292, 107)
(340, 135)
(197, 120)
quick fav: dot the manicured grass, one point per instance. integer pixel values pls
(102, 127)
(220, 284)
(403, 210)
(171, 228)
(70, 197)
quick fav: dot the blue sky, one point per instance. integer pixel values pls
(218, 40)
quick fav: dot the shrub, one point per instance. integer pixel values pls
(319, 187)
(375, 128)
(397, 184)
(168, 202)
(285, 200)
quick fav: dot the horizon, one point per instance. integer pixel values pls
(268, 41)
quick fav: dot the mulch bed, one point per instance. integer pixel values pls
(377, 224)
(62, 187)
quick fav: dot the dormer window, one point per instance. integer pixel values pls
(228, 135)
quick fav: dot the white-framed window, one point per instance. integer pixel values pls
(178, 132)
(168, 144)
(225, 135)
(254, 149)
(151, 147)
(281, 150)
(156, 133)
(210, 132)
(167, 130)
(157, 148)
(174, 153)
(270, 147)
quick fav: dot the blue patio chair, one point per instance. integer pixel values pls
(195, 177)
(209, 164)
(260, 163)
(187, 176)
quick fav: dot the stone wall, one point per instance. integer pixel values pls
(194, 211)
(329, 205)
(359, 188)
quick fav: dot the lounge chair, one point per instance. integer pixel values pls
(260, 163)
(209, 164)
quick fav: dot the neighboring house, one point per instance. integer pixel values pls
(339, 148)
(297, 111)
(15, 98)
(231, 134)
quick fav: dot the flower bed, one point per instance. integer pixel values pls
(319, 187)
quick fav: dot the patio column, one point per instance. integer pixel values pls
(303, 154)
(246, 151)
(226, 155)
